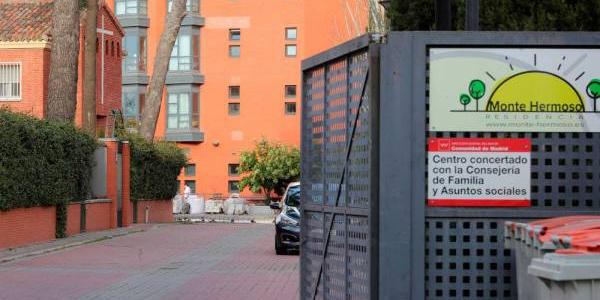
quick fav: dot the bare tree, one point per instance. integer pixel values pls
(377, 19)
(89, 84)
(161, 66)
(358, 12)
(62, 82)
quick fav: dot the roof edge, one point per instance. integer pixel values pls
(112, 17)
(38, 44)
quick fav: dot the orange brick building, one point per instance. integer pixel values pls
(25, 46)
(234, 76)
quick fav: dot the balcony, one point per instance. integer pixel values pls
(185, 136)
(184, 127)
(134, 70)
(132, 13)
(184, 70)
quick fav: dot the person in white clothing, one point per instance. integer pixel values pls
(185, 207)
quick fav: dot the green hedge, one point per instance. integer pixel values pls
(154, 168)
(42, 163)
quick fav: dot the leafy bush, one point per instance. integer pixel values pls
(154, 168)
(270, 167)
(42, 163)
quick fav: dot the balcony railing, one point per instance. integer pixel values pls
(184, 63)
(192, 123)
(134, 64)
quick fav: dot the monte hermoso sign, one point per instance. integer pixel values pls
(479, 172)
(514, 89)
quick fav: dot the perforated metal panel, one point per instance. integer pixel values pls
(336, 149)
(466, 259)
(564, 173)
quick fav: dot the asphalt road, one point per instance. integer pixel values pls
(202, 261)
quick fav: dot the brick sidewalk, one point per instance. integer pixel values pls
(204, 261)
(11, 254)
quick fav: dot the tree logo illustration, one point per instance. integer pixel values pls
(476, 90)
(593, 90)
(464, 100)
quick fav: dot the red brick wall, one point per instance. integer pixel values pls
(23, 226)
(112, 71)
(97, 216)
(159, 211)
(111, 179)
(35, 67)
(112, 67)
(73, 219)
(126, 172)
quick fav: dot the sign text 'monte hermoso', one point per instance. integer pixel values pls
(514, 89)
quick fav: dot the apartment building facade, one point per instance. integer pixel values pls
(234, 78)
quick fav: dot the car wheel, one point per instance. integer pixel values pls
(279, 249)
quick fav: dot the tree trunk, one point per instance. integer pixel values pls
(267, 196)
(89, 84)
(62, 82)
(161, 66)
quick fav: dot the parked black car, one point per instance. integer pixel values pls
(287, 222)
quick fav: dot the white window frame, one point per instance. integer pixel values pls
(291, 46)
(287, 33)
(20, 67)
(239, 54)
(141, 7)
(177, 61)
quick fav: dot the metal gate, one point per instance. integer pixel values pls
(367, 231)
(338, 230)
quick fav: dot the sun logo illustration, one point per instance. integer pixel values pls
(530, 91)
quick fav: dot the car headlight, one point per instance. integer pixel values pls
(286, 220)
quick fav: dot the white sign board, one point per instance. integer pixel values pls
(514, 89)
(479, 172)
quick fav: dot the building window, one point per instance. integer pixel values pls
(234, 51)
(291, 33)
(234, 109)
(135, 61)
(290, 108)
(184, 56)
(191, 6)
(133, 101)
(233, 186)
(235, 34)
(192, 185)
(290, 91)
(10, 81)
(234, 91)
(291, 50)
(183, 111)
(130, 7)
(190, 170)
(233, 170)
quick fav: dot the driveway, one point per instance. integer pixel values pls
(202, 261)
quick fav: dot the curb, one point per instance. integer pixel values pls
(70, 245)
(223, 218)
(226, 221)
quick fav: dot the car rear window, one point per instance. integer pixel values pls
(293, 196)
